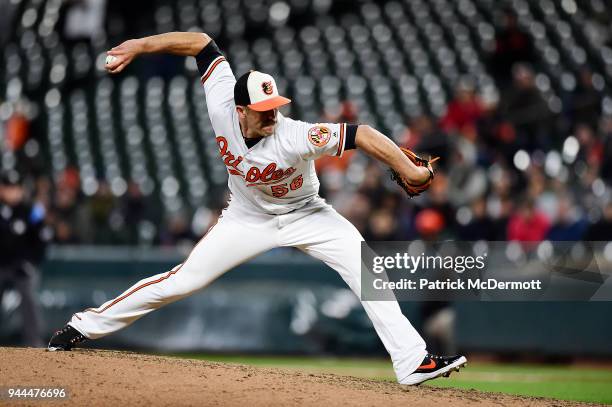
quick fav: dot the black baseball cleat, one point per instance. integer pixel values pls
(434, 366)
(65, 339)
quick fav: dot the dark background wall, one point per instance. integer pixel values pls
(284, 302)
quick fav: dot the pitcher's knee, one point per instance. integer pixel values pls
(168, 286)
(179, 286)
(189, 279)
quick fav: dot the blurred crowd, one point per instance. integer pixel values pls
(516, 165)
(72, 217)
(511, 169)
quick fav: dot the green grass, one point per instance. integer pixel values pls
(559, 382)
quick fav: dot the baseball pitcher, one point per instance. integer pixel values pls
(274, 202)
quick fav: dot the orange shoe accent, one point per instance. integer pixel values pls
(430, 365)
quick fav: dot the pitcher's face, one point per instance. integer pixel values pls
(259, 124)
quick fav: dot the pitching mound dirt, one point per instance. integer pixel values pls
(110, 378)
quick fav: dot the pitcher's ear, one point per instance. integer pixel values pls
(241, 111)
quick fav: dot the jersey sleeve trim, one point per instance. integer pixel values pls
(207, 56)
(342, 140)
(211, 68)
(351, 135)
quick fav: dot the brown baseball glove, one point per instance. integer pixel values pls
(411, 189)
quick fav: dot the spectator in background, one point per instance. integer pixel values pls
(17, 130)
(382, 225)
(526, 110)
(606, 138)
(67, 216)
(528, 224)
(537, 188)
(500, 209)
(100, 219)
(466, 180)
(591, 148)
(464, 111)
(497, 136)
(586, 100)
(500, 200)
(133, 208)
(23, 237)
(430, 224)
(569, 225)
(437, 199)
(177, 231)
(424, 136)
(43, 189)
(371, 184)
(601, 231)
(478, 225)
(357, 210)
(502, 182)
(589, 157)
(512, 45)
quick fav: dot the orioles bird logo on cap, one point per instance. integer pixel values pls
(267, 87)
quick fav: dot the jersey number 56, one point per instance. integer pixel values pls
(281, 190)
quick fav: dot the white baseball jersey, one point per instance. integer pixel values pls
(277, 175)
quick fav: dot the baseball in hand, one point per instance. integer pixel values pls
(110, 59)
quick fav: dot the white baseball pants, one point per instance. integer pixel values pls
(239, 235)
